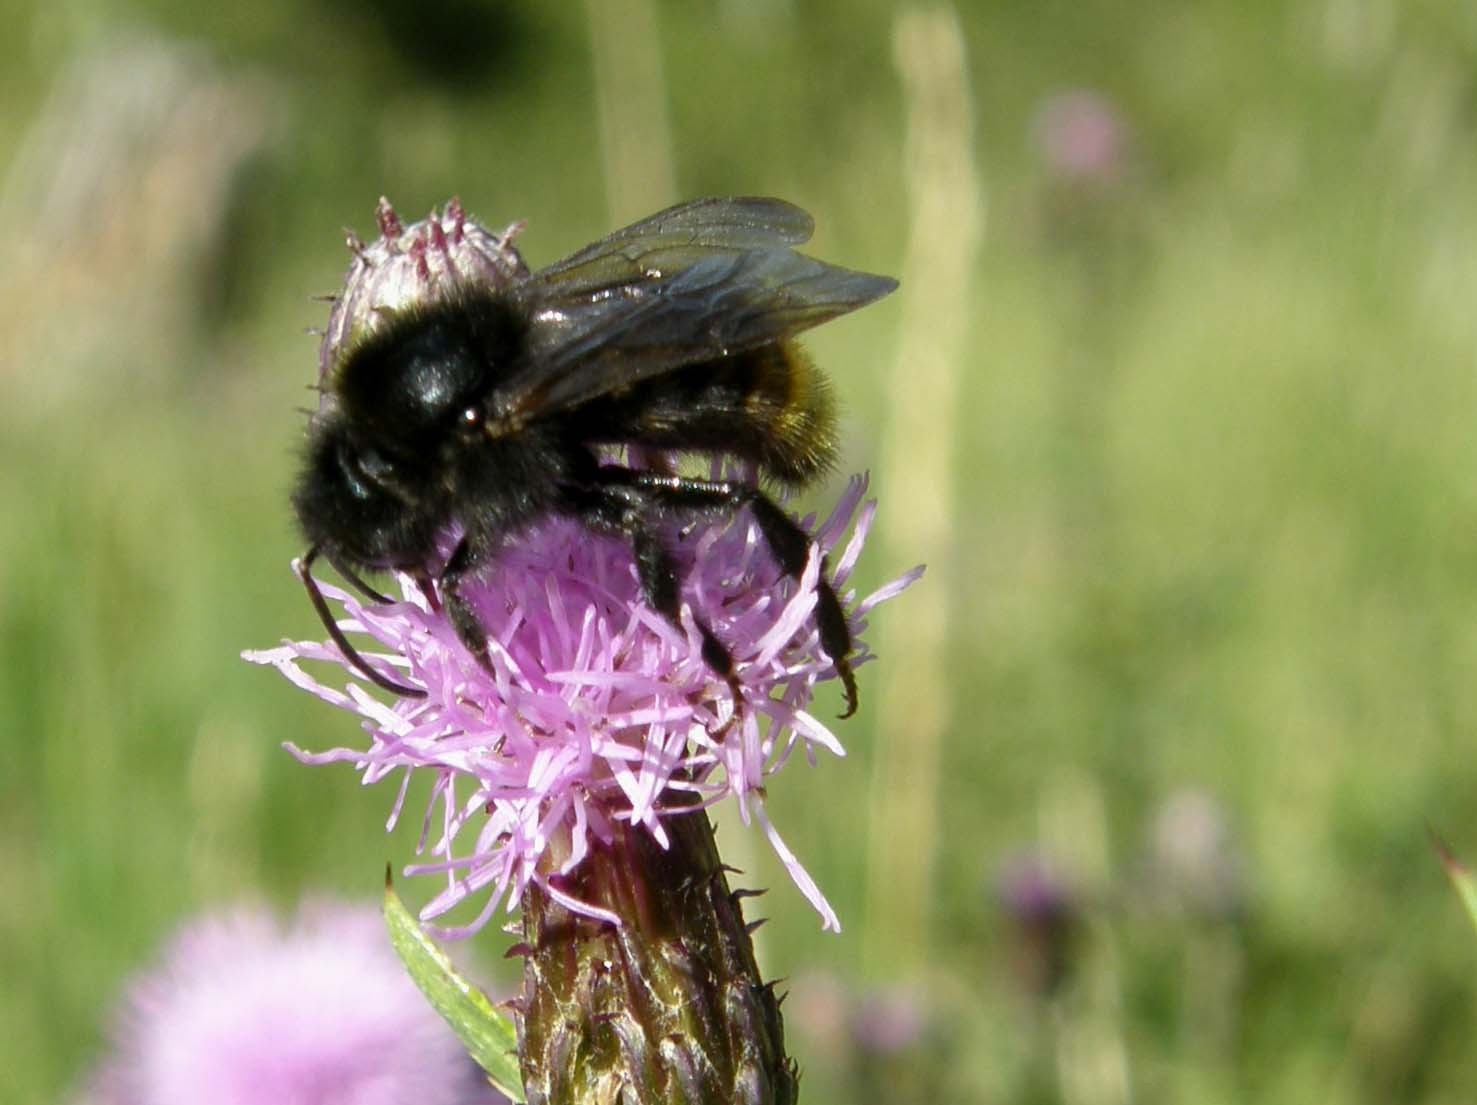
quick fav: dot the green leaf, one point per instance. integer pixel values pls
(1461, 878)
(487, 1034)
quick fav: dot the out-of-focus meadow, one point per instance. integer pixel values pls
(1177, 400)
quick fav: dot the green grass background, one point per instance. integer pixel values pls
(1212, 525)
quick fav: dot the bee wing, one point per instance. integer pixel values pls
(725, 223)
(694, 282)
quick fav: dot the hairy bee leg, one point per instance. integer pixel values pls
(350, 653)
(620, 511)
(788, 543)
(658, 575)
(469, 628)
(791, 548)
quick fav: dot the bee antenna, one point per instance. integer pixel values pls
(350, 653)
(353, 577)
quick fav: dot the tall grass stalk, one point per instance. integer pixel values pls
(947, 220)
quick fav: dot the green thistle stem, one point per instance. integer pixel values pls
(666, 1008)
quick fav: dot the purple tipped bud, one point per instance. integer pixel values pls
(410, 265)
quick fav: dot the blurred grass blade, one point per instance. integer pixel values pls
(1461, 877)
(487, 1034)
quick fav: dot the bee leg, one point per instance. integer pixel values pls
(658, 575)
(788, 543)
(620, 511)
(469, 628)
(791, 548)
(350, 653)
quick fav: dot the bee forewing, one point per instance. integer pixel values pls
(691, 305)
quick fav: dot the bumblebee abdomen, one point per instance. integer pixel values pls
(769, 404)
(789, 401)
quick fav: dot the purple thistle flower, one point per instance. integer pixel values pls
(242, 1010)
(596, 706)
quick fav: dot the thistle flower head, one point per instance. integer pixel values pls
(245, 1011)
(595, 707)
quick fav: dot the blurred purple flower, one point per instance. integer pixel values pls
(242, 1010)
(888, 1021)
(1034, 892)
(1046, 910)
(844, 1024)
(1081, 137)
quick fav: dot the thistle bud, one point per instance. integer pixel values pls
(661, 1003)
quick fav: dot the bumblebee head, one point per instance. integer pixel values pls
(363, 504)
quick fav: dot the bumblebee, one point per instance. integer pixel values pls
(492, 407)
